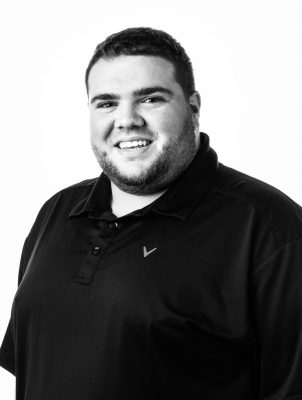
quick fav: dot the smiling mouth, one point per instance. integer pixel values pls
(134, 144)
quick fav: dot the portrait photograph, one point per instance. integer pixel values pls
(151, 197)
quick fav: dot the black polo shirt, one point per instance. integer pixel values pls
(196, 296)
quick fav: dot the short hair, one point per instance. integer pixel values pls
(150, 42)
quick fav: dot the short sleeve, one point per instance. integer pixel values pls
(7, 349)
(277, 307)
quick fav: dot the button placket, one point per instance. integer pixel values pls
(95, 253)
(89, 265)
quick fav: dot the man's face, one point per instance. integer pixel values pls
(143, 130)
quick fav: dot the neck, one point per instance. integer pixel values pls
(123, 203)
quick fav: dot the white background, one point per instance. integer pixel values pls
(247, 58)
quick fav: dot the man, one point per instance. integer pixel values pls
(171, 276)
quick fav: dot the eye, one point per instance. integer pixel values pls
(105, 104)
(152, 100)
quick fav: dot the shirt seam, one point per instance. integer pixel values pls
(272, 255)
(275, 234)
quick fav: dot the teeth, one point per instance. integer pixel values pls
(133, 144)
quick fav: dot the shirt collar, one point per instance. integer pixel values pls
(179, 200)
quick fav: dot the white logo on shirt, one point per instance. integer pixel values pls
(146, 252)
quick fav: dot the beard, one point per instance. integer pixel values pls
(173, 159)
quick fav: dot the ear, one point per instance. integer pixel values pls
(195, 103)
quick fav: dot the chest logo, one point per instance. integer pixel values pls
(147, 253)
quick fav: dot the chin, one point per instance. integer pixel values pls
(134, 176)
(133, 179)
(132, 168)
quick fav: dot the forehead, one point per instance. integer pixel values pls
(130, 72)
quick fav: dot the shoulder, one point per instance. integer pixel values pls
(77, 191)
(282, 214)
(79, 188)
(70, 195)
(62, 202)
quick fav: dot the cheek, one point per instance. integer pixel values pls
(93, 125)
(98, 128)
(170, 128)
(172, 120)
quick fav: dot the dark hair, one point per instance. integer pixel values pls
(151, 42)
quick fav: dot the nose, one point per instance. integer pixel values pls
(128, 117)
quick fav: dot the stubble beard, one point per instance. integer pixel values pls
(174, 158)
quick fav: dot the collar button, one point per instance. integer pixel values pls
(113, 225)
(95, 250)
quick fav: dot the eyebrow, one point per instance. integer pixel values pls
(136, 93)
